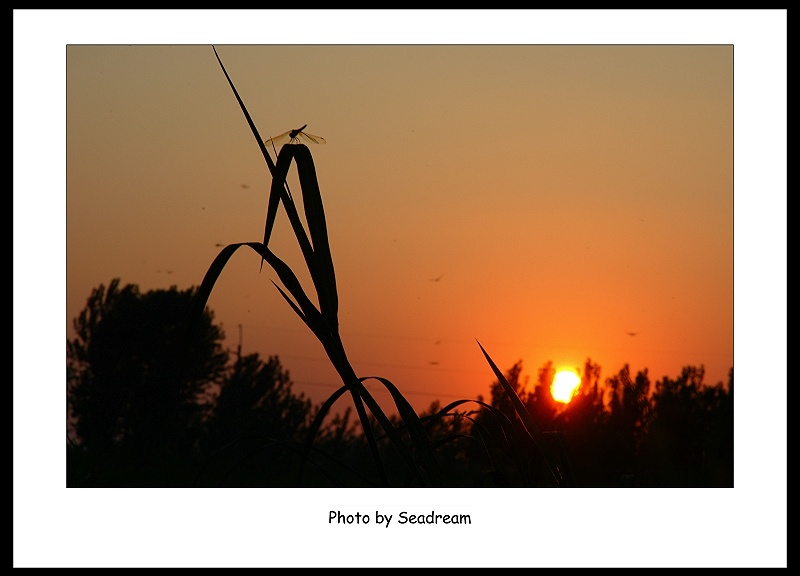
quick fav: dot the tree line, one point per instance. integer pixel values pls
(150, 406)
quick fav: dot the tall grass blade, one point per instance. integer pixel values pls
(492, 445)
(200, 299)
(563, 460)
(316, 252)
(304, 307)
(317, 227)
(323, 321)
(278, 191)
(311, 315)
(272, 203)
(389, 429)
(530, 426)
(316, 425)
(418, 436)
(250, 122)
(319, 257)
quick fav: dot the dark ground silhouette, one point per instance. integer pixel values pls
(137, 417)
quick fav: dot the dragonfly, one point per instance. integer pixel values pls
(295, 136)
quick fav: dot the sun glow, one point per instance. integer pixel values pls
(565, 385)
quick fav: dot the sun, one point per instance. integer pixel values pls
(565, 385)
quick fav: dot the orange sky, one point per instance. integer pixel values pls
(574, 184)
(566, 195)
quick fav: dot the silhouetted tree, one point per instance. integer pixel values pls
(540, 402)
(257, 398)
(689, 441)
(582, 425)
(624, 433)
(134, 388)
(256, 426)
(152, 401)
(518, 382)
(628, 413)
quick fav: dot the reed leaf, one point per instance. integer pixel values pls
(325, 277)
(417, 434)
(316, 425)
(316, 252)
(562, 457)
(390, 431)
(304, 307)
(323, 321)
(530, 426)
(308, 313)
(311, 315)
(272, 203)
(492, 445)
(250, 122)
(278, 192)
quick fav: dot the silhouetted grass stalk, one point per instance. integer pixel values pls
(560, 475)
(322, 320)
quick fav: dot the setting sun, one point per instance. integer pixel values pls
(565, 385)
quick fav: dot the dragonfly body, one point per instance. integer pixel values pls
(295, 133)
(296, 136)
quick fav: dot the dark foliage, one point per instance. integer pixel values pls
(134, 390)
(145, 410)
(624, 432)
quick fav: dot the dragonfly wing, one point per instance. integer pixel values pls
(287, 136)
(312, 138)
(277, 139)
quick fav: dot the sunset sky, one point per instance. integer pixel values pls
(555, 198)
(564, 196)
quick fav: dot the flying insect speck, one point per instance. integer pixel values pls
(295, 136)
